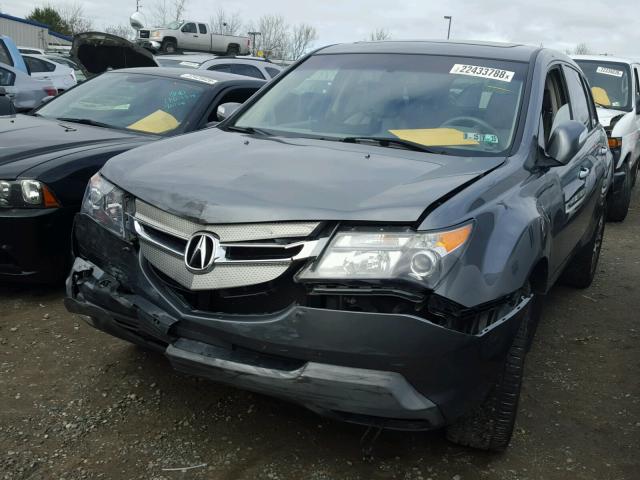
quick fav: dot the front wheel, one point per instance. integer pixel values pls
(169, 46)
(489, 426)
(619, 202)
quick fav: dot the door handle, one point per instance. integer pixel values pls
(584, 172)
(603, 150)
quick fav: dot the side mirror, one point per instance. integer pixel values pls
(6, 106)
(566, 141)
(46, 99)
(3, 92)
(226, 109)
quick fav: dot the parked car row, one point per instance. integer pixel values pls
(371, 234)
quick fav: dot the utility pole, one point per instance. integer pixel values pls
(448, 17)
(253, 36)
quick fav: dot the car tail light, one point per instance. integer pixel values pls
(50, 91)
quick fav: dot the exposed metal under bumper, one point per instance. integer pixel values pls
(318, 386)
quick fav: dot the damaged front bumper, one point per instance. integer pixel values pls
(393, 370)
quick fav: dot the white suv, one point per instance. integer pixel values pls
(615, 86)
(255, 67)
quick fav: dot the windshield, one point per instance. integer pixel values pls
(146, 103)
(467, 104)
(610, 83)
(174, 25)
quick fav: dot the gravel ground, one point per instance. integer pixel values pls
(76, 403)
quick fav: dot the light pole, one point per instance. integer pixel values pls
(253, 40)
(448, 17)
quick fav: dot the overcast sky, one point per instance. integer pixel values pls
(604, 25)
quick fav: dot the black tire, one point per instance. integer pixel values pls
(634, 173)
(489, 426)
(619, 202)
(581, 270)
(233, 50)
(169, 46)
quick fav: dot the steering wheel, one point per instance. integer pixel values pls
(463, 121)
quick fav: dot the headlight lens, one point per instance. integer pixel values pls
(104, 202)
(26, 194)
(382, 254)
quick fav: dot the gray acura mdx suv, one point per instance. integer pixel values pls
(370, 236)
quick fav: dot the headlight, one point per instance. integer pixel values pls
(383, 254)
(26, 194)
(155, 33)
(104, 202)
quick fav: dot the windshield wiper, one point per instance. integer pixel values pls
(386, 142)
(249, 130)
(87, 121)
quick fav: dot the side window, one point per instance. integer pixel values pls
(35, 65)
(7, 78)
(246, 70)
(273, 72)
(637, 84)
(203, 28)
(225, 67)
(555, 103)
(579, 98)
(4, 55)
(189, 28)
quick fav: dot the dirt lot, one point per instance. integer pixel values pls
(76, 403)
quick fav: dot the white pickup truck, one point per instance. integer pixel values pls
(192, 36)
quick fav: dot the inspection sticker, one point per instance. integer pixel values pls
(483, 72)
(190, 64)
(610, 71)
(481, 137)
(198, 78)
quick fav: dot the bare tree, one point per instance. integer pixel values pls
(379, 34)
(165, 11)
(124, 31)
(226, 23)
(582, 49)
(273, 40)
(299, 40)
(72, 15)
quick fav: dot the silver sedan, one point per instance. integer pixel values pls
(25, 92)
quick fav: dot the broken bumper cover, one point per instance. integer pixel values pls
(395, 370)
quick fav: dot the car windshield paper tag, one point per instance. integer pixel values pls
(610, 71)
(198, 78)
(190, 64)
(482, 72)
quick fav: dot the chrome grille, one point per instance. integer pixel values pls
(163, 239)
(240, 232)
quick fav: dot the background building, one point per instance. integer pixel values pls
(27, 33)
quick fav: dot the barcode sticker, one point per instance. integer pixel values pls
(610, 71)
(483, 72)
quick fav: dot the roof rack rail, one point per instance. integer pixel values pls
(245, 57)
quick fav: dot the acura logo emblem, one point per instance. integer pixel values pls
(200, 254)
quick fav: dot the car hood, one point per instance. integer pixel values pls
(605, 115)
(224, 177)
(97, 52)
(27, 141)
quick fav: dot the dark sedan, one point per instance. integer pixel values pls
(46, 158)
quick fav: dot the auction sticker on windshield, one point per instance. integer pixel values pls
(610, 71)
(482, 72)
(198, 78)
